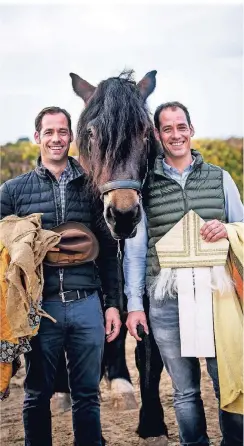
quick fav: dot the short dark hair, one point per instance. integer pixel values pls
(51, 111)
(172, 104)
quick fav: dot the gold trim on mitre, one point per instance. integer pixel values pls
(183, 246)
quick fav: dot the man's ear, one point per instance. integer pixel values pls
(71, 136)
(156, 133)
(192, 131)
(37, 137)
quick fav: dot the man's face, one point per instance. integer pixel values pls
(174, 133)
(54, 138)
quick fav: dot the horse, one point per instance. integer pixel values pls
(117, 148)
(116, 143)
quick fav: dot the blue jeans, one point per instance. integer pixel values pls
(186, 374)
(80, 332)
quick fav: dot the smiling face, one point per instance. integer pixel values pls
(175, 134)
(54, 138)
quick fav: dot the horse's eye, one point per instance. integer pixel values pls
(90, 133)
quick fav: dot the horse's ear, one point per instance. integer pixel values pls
(147, 84)
(81, 87)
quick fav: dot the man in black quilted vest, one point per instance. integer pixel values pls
(57, 189)
(180, 181)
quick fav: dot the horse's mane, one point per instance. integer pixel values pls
(119, 116)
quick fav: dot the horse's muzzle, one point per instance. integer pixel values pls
(122, 223)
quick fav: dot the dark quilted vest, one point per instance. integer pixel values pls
(166, 202)
(38, 191)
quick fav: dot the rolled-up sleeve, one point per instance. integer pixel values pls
(233, 206)
(134, 266)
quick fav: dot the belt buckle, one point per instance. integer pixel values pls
(85, 294)
(79, 296)
(62, 295)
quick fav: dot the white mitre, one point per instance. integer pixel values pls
(193, 268)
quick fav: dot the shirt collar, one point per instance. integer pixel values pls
(168, 168)
(68, 171)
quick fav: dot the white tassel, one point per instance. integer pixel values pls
(164, 284)
(221, 279)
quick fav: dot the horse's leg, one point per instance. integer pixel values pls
(117, 373)
(150, 366)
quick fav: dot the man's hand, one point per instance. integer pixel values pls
(113, 324)
(135, 318)
(213, 230)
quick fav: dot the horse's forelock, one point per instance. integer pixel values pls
(119, 117)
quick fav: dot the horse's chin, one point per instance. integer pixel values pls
(122, 236)
(133, 234)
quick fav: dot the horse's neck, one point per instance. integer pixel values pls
(84, 162)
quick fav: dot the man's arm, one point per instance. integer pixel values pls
(107, 262)
(6, 206)
(135, 267)
(108, 272)
(233, 206)
(214, 230)
(135, 274)
(108, 268)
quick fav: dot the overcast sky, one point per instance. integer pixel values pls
(197, 51)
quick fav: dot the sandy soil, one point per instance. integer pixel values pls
(118, 427)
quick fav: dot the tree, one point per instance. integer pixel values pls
(227, 154)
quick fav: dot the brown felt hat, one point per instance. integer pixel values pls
(77, 245)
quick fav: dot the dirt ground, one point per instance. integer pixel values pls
(118, 427)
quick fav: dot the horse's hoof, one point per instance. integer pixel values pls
(154, 441)
(125, 401)
(122, 394)
(61, 402)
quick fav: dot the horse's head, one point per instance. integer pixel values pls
(114, 136)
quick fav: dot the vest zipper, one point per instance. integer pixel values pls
(186, 208)
(185, 201)
(183, 193)
(60, 271)
(61, 279)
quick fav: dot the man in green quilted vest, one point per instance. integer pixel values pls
(179, 182)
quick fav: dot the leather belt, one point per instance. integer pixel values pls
(69, 296)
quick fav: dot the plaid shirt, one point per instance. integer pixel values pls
(66, 176)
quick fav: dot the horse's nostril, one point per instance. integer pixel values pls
(138, 211)
(110, 214)
(136, 214)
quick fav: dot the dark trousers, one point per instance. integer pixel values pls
(80, 332)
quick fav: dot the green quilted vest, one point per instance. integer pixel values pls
(165, 202)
